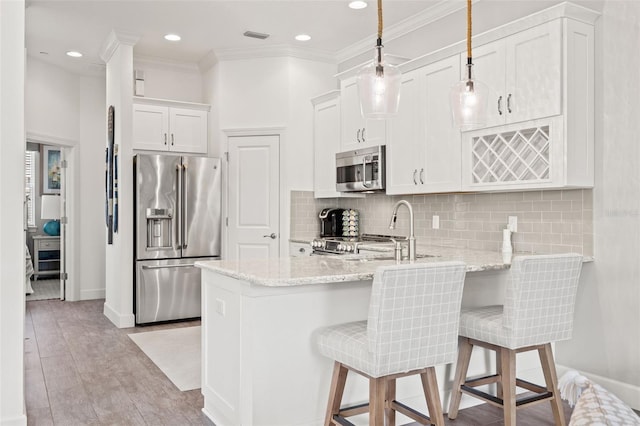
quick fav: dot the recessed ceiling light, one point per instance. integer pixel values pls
(74, 54)
(358, 4)
(172, 37)
(303, 37)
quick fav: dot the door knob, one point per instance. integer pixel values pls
(273, 236)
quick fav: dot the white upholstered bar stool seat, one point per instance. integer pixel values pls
(412, 326)
(538, 310)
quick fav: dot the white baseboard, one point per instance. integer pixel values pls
(119, 320)
(628, 393)
(92, 294)
(15, 421)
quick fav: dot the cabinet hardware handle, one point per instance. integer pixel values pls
(363, 139)
(273, 236)
(415, 171)
(422, 176)
(365, 160)
(179, 199)
(165, 138)
(171, 139)
(358, 135)
(500, 105)
(509, 103)
(185, 203)
(184, 265)
(302, 250)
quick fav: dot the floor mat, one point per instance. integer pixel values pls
(176, 352)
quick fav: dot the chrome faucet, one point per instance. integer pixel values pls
(412, 238)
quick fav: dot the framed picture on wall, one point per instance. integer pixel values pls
(51, 177)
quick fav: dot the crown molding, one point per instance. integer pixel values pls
(207, 61)
(275, 51)
(436, 12)
(114, 40)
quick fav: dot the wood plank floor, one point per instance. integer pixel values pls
(82, 370)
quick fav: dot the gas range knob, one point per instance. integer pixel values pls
(340, 247)
(349, 248)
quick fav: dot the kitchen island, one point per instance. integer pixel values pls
(259, 319)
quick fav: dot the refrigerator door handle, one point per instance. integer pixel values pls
(179, 207)
(182, 265)
(185, 204)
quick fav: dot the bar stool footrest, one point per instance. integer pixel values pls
(541, 394)
(411, 413)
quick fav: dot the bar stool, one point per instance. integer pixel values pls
(412, 326)
(538, 309)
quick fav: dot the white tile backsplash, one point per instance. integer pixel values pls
(548, 221)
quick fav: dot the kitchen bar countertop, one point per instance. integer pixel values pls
(304, 270)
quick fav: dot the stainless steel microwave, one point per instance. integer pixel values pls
(361, 170)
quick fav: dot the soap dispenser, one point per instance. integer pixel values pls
(507, 249)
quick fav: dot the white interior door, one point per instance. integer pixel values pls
(254, 197)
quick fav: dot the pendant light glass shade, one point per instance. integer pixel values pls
(469, 97)
(379, 88)
(469, 100)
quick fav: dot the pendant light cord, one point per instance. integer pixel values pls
(379, 22)
(468, 28)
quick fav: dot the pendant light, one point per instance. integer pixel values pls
(469, 97)
(379, 83)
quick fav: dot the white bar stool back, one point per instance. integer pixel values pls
(538, 309)
(414, 314)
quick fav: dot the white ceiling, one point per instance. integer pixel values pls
(57, 26)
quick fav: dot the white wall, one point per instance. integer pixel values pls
(12, 265)
(606, 340)
(62, 106)
(90, 186)
(163, 80)
(271, 92)
(118, 306)
(52, 101)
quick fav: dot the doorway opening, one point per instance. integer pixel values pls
(45, 220)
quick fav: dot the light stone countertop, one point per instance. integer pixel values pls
(304, 270)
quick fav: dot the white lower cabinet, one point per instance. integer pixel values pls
(423, 153)
(160, 125)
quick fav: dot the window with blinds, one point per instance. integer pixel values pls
(29, 186)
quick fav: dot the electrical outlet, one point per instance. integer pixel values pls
(513, 223)
(221, 307)
(435, 222)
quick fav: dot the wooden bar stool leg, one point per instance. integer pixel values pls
(390, 414)
(336, 390)
(551, 379)
(432, 394)
(499, 372)
(376, 401)
(508, 379)
(464, 356)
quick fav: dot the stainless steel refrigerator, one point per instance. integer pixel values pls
(177, 222)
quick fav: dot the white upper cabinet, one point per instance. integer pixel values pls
(423, 151)
(357, 132)
(523, 72)
(546, 137)
(162, 126)
(326, 143)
